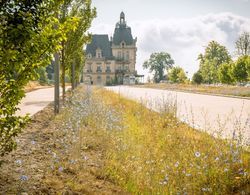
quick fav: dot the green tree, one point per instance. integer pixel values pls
(72, 48)
(248, 67)
(42, 75)
(215, 55)
(177, 75)
(50, 71)
(28, 38)
(197, 78)
(74, 54)
(226, 73)
(243, 44)
(240, 69)
(158, 63)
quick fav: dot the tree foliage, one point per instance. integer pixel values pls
(42, 76)
(197, 78)
(226, 73)
(240, 69)
(177, 75)
(76, 40)
(210, 62)
(72, 48)
(28, 38)
(158, 63)
(243, 44)
(248, 67)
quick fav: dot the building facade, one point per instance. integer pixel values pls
(111, 61)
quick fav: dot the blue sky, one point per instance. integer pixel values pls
(180, 27)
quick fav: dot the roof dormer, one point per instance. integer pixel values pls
(98, 53)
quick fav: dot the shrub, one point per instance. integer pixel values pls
(240, 67)
(177, 75)
(197, 78)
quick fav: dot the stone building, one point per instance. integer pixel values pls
(111, 61)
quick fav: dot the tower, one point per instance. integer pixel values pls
(112, 60)
(122, 18)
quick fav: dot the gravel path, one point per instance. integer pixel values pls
(207, 112)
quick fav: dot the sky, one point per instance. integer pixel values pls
(182, 28)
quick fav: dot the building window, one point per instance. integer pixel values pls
(99, 53)
(108, 79)
(99, 68)
(127, 55)
(89, 68)
(99, 79)
(89, 55)
(123, 44)
(119, 55)
(108, 68)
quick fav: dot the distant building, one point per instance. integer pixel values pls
(111, 61)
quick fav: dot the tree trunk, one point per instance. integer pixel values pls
(73, 76)
(57, 83)
(63, 55)
(63, 71)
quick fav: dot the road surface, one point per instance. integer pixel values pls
(213, 114)
(36, 100)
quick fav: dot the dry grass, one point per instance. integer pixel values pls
(155, 153)
(34, 85)
(218, 90)
(102, 143)
(148, 152)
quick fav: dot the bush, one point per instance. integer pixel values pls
(225, 73)
(177, 75)
(42, 75)
(197, 78)
(240, 69)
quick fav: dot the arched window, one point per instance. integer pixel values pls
(123, 44)
(89, 55)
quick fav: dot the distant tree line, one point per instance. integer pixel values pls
(216, 65)
(161, 63)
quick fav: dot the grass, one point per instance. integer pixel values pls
(142, 151)
(219, 90)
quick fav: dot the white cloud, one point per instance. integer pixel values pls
(185, 38)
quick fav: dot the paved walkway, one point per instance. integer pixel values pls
(210, 113)
(35, 101)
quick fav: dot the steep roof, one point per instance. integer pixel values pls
(102, 42)
(122, 33)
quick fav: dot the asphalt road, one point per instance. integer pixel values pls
(35, 101)
(214, 114)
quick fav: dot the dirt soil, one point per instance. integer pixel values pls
(27, 169)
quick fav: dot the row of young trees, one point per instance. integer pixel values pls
(217, 66)
(30, 33)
